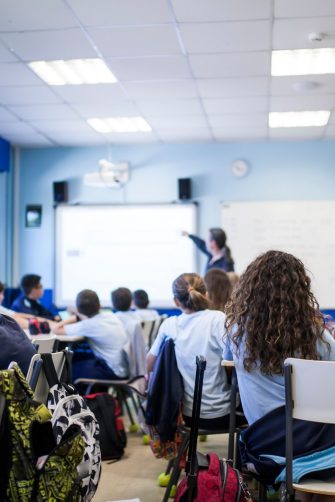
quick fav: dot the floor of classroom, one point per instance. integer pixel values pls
(135, 475)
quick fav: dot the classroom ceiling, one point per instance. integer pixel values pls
(196, 70)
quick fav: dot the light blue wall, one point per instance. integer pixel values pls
(279, 170)
(3, 191)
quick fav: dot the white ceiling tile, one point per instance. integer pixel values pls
(90, 94)
(5, 55)
(238, 120)
(30, 95)
(219, 10)
(144, 137)
(293, 33)
(301, 103)
(236, 105)
(178, 122)
(296, 133)
(113, 109)
(182, 135)
(75, 138)
(61, 126)
(233, 87)
(151, 68)
(240, 133)
(206, 38)
(325, 84)
(162, 90)
(304, 8)
(49, 45)
(29, 140)
(40, 112)
(136, 40)
(156, 108)
(330, 131)
(17, 15)
(6, 116)
(17, 127)
(244, 64)
(17, 74)
(127, 12)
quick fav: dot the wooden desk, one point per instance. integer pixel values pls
(60, 338)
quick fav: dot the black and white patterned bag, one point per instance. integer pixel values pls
(69, 408)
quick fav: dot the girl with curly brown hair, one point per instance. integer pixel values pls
(272, 315)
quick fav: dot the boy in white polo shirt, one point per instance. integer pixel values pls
(105, 335)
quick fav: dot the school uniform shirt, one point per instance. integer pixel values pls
(220, 261)
(107, 338)
(15, 345)
(25, 305)
(129, 319)
(260, 393)
(199, 334)
(147, 314)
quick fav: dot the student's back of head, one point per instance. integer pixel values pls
(141, 299)
(88, 303)
(275, 312)
(189, 292)
(218, 288)
(121, 299)
(30, 282)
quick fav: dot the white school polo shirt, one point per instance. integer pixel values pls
(199, 334)
(261, 393)
(107, 338)
(147, 314)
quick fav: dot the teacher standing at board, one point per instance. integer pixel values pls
(218, 253)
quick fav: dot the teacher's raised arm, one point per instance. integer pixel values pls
(216, 249)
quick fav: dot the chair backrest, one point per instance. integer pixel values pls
(148, 328)
(44, 344)
(41, 388)
(136, 351)
(312, 389)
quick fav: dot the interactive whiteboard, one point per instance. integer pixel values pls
(304, 228)
(137, 246)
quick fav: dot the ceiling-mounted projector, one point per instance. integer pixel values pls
(110, 175)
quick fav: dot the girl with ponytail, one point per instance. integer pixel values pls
(197, 331)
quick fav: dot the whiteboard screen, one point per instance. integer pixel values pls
(304, 228)
(139, 247)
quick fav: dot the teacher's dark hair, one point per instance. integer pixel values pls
(220, 238)
(190, 291)
(274, 312)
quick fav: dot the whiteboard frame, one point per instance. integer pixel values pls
(56, 269)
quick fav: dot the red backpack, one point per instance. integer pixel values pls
(218, 482)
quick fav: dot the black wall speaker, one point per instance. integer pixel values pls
(60, 190)
(184, 188)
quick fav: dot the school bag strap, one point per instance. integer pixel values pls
(49, 370)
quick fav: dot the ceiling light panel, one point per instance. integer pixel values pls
(119, 124)
(299, 119)
(303, 62)
(73, 72)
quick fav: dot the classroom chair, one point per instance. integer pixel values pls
(232, 431)
(309, 388)
(36, 377)
(45, 344)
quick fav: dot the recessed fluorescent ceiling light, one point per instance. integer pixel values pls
(73, 71)
(302, 62)
(120, 124)
(298, 119)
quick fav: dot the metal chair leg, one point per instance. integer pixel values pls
(176, 467)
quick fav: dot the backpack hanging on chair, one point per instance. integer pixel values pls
(34, 468)
(69, 408)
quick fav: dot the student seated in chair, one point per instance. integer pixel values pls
(197, 330)
(141, 303)
(121, 303)
(218, 287)
(106, 337)
(273, 315)
(28, 302)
